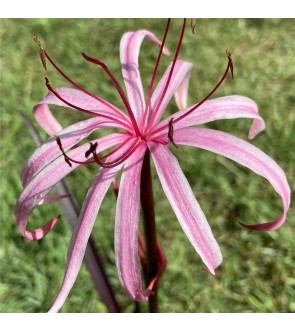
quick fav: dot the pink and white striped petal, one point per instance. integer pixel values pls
(37, 189)
(185, 206)
(78, 98)
(46, 119)
(231, 107)
(245, 154)
(81, 234)
(127, 225)
(50, 150)
(129, 51)
(177, 86)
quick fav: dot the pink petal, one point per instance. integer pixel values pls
(126, 229)
(84, 227)
(82, 233)
(39, 233)
(231, 107)
(39, 186)
(129, 51)
(185, 206)
(178, 85)
(48, 122)
(50, 150)
(245, 154)
(46, 119)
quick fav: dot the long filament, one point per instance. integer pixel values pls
(154, 74)
(44, 55)
(174, 121)
(118, 88)
(51, 89)
(169, 77)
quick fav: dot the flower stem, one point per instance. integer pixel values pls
(147, 204)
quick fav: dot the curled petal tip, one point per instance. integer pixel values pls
(40, 233)
(166, 51)
(212, 269)
(268, 226)
(260, 227)
(257, 127)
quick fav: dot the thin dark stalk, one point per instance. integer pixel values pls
(147, 204)
(92, 260)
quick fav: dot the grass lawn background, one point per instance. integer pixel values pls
(257, 274)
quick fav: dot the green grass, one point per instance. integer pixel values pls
(257, 274)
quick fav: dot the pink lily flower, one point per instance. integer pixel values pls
(141, 129)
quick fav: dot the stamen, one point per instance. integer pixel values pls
(115, 150)
(169, 77)
(154, 74)
(170, 133)
(68, 160)
(120, 159)
(58, 141)
(41, 52)
(118, 87)
(229, 67)
(193, 25)
(44, 55)
(50, 88)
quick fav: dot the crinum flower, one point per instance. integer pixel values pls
(140, 130)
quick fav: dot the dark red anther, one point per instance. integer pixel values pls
(67, 160)
(92, 149)
(170, 133)
(231, 65)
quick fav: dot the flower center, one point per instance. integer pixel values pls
(137, 134)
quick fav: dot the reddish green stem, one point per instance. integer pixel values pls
(147, 204)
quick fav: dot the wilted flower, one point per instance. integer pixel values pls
(141, 129)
